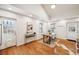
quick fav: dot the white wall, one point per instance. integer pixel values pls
(61, 28)
(36, 27)
(21, 22)
(45, 28)
(19, 27)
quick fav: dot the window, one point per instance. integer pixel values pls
(41, 27)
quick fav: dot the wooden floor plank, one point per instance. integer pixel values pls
(33, 48)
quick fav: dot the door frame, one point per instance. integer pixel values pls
(2, 18)
(1, 34)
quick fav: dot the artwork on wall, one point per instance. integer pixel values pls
(29, 27)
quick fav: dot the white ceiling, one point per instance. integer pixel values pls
(44, 11)
(62, 10)
(33, 9)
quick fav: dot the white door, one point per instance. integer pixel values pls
(9, 32)
(72, 28)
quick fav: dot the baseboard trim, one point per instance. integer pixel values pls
(7, 47)
(33, 41)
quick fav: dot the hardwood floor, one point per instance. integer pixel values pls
(62, 47)
(65, 47)
(33, 48)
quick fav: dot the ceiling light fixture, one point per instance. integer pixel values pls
(10, 8)
(53, 6)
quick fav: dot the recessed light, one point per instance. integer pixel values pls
(53, 6)
(10, 8)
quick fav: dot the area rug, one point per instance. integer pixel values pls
(62, 47)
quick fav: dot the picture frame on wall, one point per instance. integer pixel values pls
(29, 27)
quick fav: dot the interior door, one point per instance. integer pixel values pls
(9, 33)
(72, 32)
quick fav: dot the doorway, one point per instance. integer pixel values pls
(7, 32)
